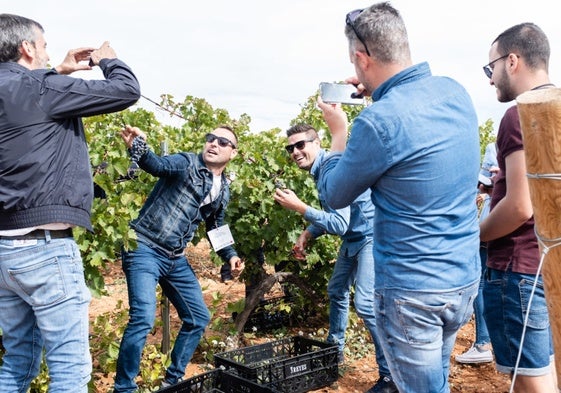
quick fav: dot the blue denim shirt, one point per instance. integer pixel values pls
(350, 223)
(417, 148)
(171, 214)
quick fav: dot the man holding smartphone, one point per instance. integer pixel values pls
(355, 262)
(45, 191)
(426, 227)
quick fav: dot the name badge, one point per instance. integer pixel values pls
(220, 237)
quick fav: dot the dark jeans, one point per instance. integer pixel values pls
(145, 268)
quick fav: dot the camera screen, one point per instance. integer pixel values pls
(333, 93)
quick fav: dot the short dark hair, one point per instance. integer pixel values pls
(227, 127)
(528, 41)
(15, 29)
(302, 128)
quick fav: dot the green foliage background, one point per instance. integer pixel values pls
(256, 221)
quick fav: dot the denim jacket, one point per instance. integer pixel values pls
(351, 223)
(171, 214)
(417, 148)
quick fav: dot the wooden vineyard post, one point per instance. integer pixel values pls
(540, 120)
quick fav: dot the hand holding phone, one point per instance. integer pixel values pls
(339, 93)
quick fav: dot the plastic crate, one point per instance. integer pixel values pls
(216, 381)
(290, 365)
(268, 315)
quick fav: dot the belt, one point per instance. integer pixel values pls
(169, 254)
(355, 239)
(41, 234)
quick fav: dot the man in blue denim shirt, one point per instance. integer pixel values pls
(191, 188)
(416, 147)
(355, 262)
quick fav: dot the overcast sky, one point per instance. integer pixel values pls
(266, 58)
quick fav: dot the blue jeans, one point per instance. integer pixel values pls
(354, 266)
(44, 304)
(507, 297)
(144, 268)
(481, 331)
(420, 331)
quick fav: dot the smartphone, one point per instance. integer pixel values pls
(334, 93)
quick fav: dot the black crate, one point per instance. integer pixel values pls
(290, 365)
(268, 315)
(216, 381)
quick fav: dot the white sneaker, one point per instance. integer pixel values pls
(166, 384)
(475, 355)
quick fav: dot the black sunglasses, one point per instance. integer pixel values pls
(350, 20)
(299, 145)
(222, 142)
(488, 69)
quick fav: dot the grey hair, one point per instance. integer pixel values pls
(15, 29)
(383, 31)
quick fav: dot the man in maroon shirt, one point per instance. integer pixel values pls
(519, 59)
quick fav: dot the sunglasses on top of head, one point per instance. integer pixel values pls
(222, 142)
(298, 145)
(350, 21)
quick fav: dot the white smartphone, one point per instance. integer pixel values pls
(333, 93)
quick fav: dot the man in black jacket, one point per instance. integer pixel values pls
(45, 191)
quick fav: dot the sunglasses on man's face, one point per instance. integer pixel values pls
(222, 142)
(298, 145)
(488, 69)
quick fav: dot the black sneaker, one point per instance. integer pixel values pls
(340, 358)
(383, 385)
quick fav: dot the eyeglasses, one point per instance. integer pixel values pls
(488, 69)
(222, 142)
(299, 145)
(350, 20)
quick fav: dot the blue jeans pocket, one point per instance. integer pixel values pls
(43, 282)
(417, 321)
(422, 318)
(539, 317)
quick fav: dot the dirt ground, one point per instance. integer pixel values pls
(357, 375)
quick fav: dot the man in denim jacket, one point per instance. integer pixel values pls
(191, 188)
(416, 148)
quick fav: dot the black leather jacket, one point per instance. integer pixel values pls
(45, 174)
